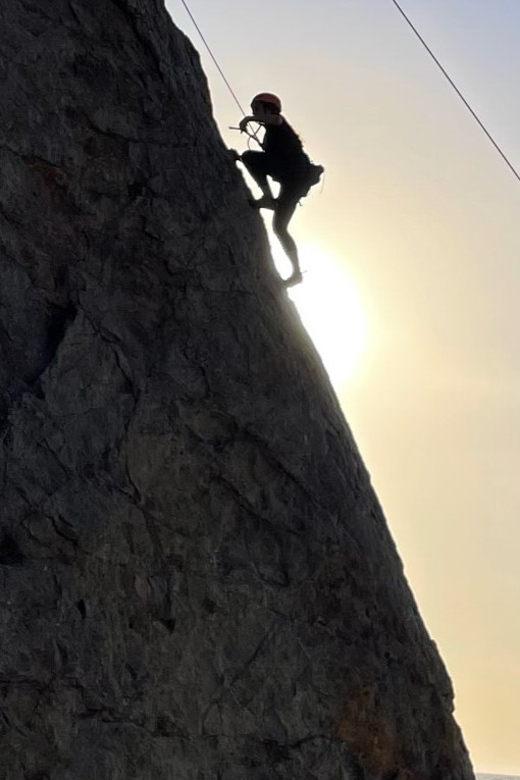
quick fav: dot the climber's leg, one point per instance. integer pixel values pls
(284, 210)
(257, 164)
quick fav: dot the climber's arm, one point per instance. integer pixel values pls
(242, 125)
(265, 119)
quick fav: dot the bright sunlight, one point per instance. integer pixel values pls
(331, 309)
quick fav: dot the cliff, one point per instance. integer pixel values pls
(197, 580)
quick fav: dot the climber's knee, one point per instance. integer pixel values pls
(255, 163)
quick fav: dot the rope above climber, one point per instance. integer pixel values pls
(282, 159)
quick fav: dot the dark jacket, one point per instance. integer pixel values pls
(285, 152)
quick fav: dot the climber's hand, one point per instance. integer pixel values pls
(242, 125)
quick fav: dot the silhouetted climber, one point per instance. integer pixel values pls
(284, 160)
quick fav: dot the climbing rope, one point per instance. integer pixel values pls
(457, 90)
(226, 82)
(424, 44)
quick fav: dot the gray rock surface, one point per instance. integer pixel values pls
(197, 580)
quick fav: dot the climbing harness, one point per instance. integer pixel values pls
(315, 172)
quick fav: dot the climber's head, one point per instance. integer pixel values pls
(266, 103)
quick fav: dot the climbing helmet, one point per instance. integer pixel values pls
(269, 99)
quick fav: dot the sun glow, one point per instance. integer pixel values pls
(332, 311)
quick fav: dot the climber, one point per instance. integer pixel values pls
(284, 160)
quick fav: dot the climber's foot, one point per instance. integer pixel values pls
(235, 156)
(295, 278)
(265, 202)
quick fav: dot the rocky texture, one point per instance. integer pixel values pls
(197, 580)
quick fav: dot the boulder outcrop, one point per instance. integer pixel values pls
(197, 579)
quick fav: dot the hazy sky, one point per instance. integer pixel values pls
(421, 216)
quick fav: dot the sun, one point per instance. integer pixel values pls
(331, 308)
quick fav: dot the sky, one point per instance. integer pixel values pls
(411, 290)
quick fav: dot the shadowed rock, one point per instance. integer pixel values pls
(197, 580)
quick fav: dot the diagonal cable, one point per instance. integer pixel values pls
(457, 90)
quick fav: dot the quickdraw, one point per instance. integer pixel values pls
(252, 136)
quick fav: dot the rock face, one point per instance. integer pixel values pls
(197, 580)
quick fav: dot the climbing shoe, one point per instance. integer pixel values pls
(265, 202)
(295, 278)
